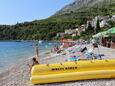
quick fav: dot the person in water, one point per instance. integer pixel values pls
(34, 62)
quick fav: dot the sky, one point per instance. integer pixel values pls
(13, 11)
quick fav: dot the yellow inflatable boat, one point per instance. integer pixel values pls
(70, 71)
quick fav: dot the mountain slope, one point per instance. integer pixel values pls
(81, 5)
(76, 13)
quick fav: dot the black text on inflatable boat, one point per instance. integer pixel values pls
(66, 68)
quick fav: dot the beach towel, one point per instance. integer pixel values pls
(74, 58)
(98, 56)
(74, 50)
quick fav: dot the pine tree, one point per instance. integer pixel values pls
(98, 26)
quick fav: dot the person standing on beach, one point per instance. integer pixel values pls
(36, 50)
(94, 43)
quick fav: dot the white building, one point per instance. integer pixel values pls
(103, 23)
(70, 31)
(113, 18)
(94, 22)
(60, 34)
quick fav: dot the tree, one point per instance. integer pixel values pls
(89, 26)
(89, 29)
(98, 26)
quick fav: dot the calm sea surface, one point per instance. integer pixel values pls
(12, 52)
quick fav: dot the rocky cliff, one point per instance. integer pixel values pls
(78, 5)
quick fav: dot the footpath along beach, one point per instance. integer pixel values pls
(18, 75)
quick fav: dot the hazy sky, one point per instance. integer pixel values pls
(13, 11)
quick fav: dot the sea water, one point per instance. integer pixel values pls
(11, 51)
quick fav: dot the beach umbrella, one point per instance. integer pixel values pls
(101, 34)
(105, 34)
(97, 35)
(111, 31)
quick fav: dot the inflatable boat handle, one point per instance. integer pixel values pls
(47, 65)
(91, 61)
(106, 60)
(61, 63)
(75, 62)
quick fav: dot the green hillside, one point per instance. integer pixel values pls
(46, 29)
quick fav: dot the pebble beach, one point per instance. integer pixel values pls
(18, 74)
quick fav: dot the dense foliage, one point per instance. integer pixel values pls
(46, 29)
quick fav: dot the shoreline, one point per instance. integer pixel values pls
(18, 75)
(22, 60)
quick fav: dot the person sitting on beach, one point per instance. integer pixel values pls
(94, 43)
(55, 49)
(34, 62)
